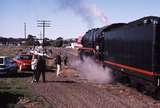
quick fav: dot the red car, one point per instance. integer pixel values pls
(24, 61)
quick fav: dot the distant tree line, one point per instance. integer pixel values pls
(12, 41)
(33, 41)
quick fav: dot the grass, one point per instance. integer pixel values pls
(16, 89)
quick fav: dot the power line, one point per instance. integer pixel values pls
(25, 30)
(43, 24)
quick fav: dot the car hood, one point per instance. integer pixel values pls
(25, 61)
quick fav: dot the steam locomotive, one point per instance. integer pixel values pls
(131, 49)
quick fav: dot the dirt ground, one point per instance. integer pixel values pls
(70, 91)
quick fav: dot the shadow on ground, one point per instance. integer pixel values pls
(61, 81)
(51, 70)
(17, 75)
(8, 100)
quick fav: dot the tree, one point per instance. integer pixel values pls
(31, 40)
(31, 37)
(59, 42)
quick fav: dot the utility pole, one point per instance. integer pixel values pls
(43, 24)
(25, 30)
(40, 35)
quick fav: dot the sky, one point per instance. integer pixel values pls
(69, 18)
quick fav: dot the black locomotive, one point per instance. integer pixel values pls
(131, 49)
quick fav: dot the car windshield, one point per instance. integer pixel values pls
(25, 57)
(1, 60)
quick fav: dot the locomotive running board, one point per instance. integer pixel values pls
(137, 70)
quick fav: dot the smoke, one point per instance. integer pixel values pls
(86, 11)
(92, 71)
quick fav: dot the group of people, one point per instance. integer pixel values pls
(38, 66)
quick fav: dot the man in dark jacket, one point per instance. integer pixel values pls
(41, 67)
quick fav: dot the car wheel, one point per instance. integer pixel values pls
(16, 71)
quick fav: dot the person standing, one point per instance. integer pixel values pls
(58, 63)
(50, 52)
(34, 67)
(41, 68)
(65, 60)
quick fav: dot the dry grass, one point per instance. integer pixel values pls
(10, 50)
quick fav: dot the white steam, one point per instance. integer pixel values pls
(92, 71)
(86, 11)
(92, 8)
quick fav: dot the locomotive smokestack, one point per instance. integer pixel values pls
(86, 11)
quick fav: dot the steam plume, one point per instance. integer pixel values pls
(86, 11)
(92, 71)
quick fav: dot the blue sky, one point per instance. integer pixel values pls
(64, 21)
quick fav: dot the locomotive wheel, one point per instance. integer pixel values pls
(140, 87)
(156, 94)
(117, 75)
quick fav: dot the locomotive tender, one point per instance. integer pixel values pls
(131, 49)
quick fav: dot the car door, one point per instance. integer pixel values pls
(11, 65)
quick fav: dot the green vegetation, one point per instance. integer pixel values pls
(14, 85)
(17, 93)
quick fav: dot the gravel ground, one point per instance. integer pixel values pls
(70, 91)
